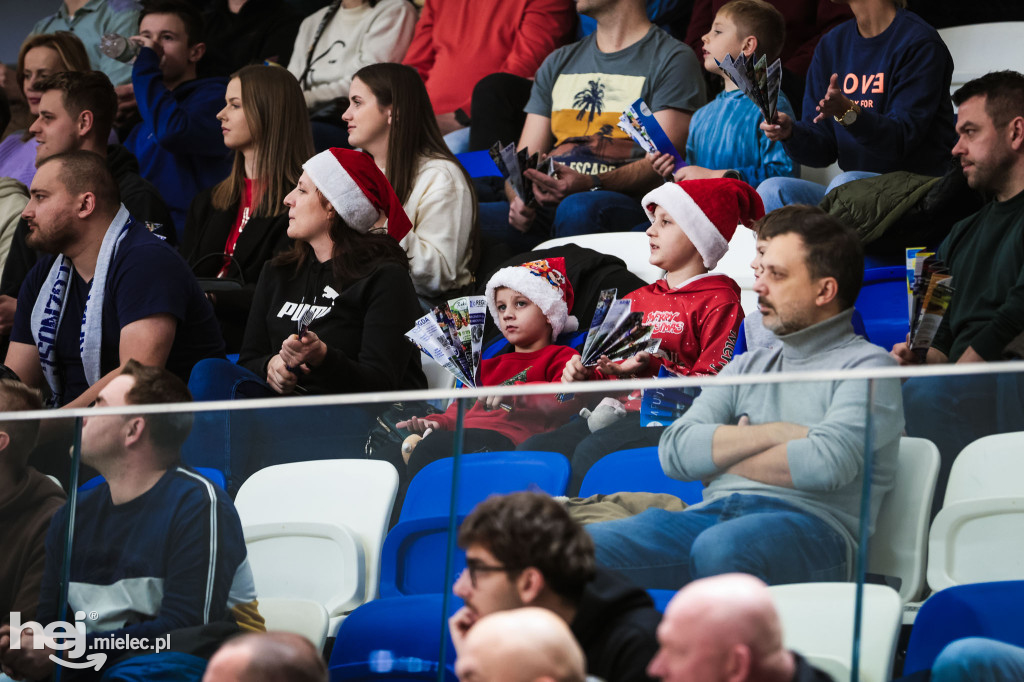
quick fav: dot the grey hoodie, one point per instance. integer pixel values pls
(827, 466)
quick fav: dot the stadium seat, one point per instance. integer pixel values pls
(633, 248)
(883, 305)
(478, 164)
(301, 616)
(355, 495)
(980, 48)
(482, 474)
(413, 559)
(637, 471)
(214, 476)
(661, 598)
(817, 622)
(981, 610)
(974, 537)
(396, 639)
(898, 546)
(822, 176)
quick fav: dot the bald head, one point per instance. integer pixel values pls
(267, 657)
(520, 645)
(721, 628)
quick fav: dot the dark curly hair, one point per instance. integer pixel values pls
(524, 530)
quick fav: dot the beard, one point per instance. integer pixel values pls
(53, 238)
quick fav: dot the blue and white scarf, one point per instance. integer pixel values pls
(48, 311)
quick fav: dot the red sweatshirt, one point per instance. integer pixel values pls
(696, 322)
(458, 42)
(806, 22)
(529, 415)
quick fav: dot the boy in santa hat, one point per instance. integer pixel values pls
(694, 312)
(530, 303)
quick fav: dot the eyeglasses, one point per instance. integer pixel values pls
(474, 568)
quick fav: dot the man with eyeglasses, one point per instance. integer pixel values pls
(524, 549)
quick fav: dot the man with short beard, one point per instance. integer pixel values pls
(111, 291)
(783, 463)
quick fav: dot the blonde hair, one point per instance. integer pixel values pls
(278, 121)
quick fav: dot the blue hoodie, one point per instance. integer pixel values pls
(179, 144)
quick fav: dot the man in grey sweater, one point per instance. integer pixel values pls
(783, 462)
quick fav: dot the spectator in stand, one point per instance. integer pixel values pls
(90, 20)
(577, 97)
(389, 117)
(458, 42)
(121, 292)
(346, 288)
(27, 501)
(13, 197)
(806, 22)
(725, 140)
(178, 143)
(234, 228)
(867, 106)
(267, 657)
(985, 256)
(40, 56)
(248, 32)
(76, 110)
(337, 41)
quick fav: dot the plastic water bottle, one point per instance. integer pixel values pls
(116, 46)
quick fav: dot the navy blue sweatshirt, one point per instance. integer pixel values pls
(900, 78)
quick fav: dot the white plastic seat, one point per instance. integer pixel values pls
(817, 622)
(355, 495)
(976, 535)
(899, 544)
(822, 176)
(980, 48)
(633, 248)
(301, 616)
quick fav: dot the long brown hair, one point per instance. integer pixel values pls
(353, 255)
(278, 121)
(414, 132)
(68, 47)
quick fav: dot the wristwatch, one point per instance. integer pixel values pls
(596, 183)
(848, 117)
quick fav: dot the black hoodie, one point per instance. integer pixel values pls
(615, 625)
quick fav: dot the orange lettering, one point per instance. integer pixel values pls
(866, 81)
(847, 86)
(879, 83)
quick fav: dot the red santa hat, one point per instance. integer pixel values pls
(708, 211)
(357, 190)
(545, 283)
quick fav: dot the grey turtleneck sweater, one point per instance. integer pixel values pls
(827, 466)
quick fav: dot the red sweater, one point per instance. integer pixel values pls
(696, 322)
(806, 22)
(458, 42)
(530, 415)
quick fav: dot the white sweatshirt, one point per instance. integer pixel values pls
(353, 39)
(440, 208)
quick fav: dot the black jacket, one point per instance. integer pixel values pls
(206, 232)
(262, 30)
(615, 626)
(138, 195)
(363, 325)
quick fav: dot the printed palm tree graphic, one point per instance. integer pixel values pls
(590, 100)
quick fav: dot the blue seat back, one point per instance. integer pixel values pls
(661, 598)
(571, 339)
(883, 305)
(977, 610)
(482, 474)
(394, 639)
(214, 476)
(478, 164)
(637, 470)
(413, 558)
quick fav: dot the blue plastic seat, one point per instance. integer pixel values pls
(571, 339)
(413, 558)
(661, 598)
(989, 610)
(214, 476)
(394, 639)
(478, 164)
(637, 471)
(883, 304)
(482, 474)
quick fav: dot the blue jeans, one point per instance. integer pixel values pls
(978, 659)
(598, 211)
(778, 192)
(756, 534)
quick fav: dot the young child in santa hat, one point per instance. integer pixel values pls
(530, 303)
(694, 312)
